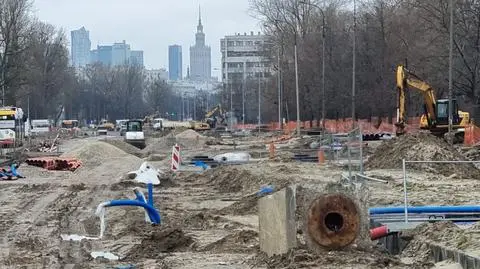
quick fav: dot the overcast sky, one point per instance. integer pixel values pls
(151, 25)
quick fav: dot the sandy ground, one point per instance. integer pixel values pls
(209, 219)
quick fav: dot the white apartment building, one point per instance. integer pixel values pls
(243, 57)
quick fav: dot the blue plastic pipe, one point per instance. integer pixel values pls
(425, 209)
(152, 212)
(150, 194)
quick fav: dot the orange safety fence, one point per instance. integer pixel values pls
(375, 125)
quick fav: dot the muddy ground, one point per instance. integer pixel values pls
(209, 218)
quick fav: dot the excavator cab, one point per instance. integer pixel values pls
(442, 112)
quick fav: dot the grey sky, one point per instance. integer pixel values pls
(151, 25)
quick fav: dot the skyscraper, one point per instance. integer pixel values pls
(175, 62)
(200, 56)
(136, 57)
(120, 53)
(80, 47)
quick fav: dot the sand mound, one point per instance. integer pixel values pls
(95, 152)
(421, 147)
(189, 134)
(102, 162)
(190, 139)
(244, 241)
(125, 147)
(160, 239)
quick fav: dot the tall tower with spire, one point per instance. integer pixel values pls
(200, 55)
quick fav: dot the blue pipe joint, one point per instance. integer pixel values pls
(152, 212)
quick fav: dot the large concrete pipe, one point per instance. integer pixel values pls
(333, 221)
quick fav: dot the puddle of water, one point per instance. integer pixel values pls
(76, 237)
(106, 255)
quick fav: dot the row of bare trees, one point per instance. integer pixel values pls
(35, 73)
(387, 33)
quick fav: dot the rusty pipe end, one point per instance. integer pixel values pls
(333, 221)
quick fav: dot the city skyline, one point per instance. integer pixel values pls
(151, 29)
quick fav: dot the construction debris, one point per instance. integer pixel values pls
(422, 147)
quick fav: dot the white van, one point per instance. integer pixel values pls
(40, 127)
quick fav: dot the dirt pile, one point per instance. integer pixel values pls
(244, 241)
(95, 152)
(125, 147)
(230, 179)
(102, 162)
(302, 258)
(246, 206)
(447, 234)
(162, 144)
(421, 147)
(191, 139)
(160, 239)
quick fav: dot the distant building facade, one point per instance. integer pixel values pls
(116, 54)
(136, 57)
(243, 57)
(200, 56)
(81, 45)
(155, 74)
(120, 53)
(175, 62)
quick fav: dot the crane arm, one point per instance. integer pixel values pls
(406, 79)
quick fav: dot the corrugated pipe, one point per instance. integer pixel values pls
(425, 209)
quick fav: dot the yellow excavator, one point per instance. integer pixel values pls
(435, 116)
(215, 117)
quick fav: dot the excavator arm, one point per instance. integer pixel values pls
(407, 80)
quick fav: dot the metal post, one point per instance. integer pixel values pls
(349, 141)
(194, 106)
(323, 72)
(296, 88)
(259, 102)
(183, 107)
(243, 92)
(279, 93)
(361, 149)
(353, 60)
(405, 190)
(450, 76)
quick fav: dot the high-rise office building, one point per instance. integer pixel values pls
(80, 47)
(175, 62)
(120, 53)
(200, 56)
(136, 57)
(103, 54)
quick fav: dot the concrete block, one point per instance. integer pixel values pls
(329, 216)
(277, 227)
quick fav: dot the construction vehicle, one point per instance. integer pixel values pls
(216, 117)
(12, 126)
(134, 134)
(435, 117)
(105, 124)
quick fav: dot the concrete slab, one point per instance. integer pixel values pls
(277, 226)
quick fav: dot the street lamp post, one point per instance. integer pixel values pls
(450, 75)
(323, 59)
(353, 61)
